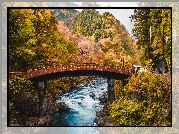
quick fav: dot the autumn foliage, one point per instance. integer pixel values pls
(144, 101)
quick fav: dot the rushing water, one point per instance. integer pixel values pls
(83, 102)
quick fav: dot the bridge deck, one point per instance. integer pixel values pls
(19, 74)
(73, 67)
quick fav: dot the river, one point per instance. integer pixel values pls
(83, 102)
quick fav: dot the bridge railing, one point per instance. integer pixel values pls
(72, 67)
(19, 74)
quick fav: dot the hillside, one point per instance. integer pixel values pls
(91, 24)
(100, 38)
(66, 15)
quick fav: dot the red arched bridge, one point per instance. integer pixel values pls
(73, 69)
(41, 75)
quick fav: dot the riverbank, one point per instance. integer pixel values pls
(102, 117)
(45, 119)
(49, 106)
(50, 109)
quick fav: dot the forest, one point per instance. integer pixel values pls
(41, 37)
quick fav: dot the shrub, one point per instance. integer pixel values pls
(145, 101)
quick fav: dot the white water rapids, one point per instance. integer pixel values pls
(83, 102)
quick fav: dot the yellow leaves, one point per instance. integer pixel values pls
(44, 45)
(40, 16)
(152, 85)
(133, 84)
(26, 13)
(125, 112)
(47, 12)
(29, 52)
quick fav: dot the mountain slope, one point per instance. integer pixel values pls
(90, 23)
(66, 15)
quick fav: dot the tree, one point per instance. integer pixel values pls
(156, 19)
(34, 40)
(144, 101)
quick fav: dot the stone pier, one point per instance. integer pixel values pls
(111, 83)
(42, 92)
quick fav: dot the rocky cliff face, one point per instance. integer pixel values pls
(102, 118)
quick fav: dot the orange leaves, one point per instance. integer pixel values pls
(146, 99)
(133, 83)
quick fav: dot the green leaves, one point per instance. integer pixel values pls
(144, 101)
(156, 19)
(107, 32)
(17, 85)
(23, 98)
(34, 39)
(125, 112)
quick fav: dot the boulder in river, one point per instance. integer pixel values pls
(62, 107)
(92, 95)
(103, 98)
(102, 118)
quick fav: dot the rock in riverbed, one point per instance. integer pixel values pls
(103, 98)
(102, 118)
(62, 107)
